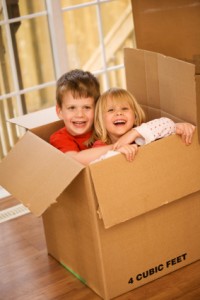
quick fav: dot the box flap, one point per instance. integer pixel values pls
(36, 119)
(162, 172)
(164, 86)
(36, 173)
(166, 27)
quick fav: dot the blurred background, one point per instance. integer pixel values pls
(42, 39)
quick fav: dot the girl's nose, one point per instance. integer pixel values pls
(119, 112)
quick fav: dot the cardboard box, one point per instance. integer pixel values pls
(118, 225)
(169, 27)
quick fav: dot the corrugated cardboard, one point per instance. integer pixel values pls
(165, 87)
(118, 225)
(169, 27)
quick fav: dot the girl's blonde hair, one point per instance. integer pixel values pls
(117, 95)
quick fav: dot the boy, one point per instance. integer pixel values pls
(77, 92)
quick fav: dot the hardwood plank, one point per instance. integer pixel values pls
(27, 272)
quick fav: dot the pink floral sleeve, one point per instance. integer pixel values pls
(154, 130)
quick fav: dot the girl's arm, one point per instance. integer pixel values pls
(186, 131)
(156, 129)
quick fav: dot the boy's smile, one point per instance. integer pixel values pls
(77, 114)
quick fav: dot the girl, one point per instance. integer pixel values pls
(119, 120)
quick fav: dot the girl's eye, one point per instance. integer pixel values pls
(110, 110)
(87, 107)
(125, 108)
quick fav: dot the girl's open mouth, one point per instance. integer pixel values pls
(119, 122)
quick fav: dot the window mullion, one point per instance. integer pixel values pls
(57, 35)
(102, 45)
(12, 59)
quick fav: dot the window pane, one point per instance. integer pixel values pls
(6, 83)
(33, 52)
(117, 78)
(1, 11)
(17, 8)
(9, 132)
(81, 35)
(40, 99)
(33, 58)
(118, 33)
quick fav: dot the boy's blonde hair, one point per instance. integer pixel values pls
(117, 95)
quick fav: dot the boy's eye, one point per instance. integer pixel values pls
(71, 107)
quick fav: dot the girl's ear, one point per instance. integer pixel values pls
(59, 112)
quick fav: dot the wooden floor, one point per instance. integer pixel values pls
(27, 272)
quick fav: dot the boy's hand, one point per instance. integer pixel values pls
(129, 151)
(186, 131)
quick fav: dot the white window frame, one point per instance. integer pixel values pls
(59, 47)
(54, 13)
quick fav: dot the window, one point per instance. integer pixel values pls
(40, 40)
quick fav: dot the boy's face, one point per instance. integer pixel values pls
(77, 114)
(118, 119)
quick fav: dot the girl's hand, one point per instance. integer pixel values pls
(128, 138)
(129, 151)
(186, 131)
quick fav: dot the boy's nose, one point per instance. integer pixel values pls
(79, 112)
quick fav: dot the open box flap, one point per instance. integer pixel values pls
(36, 173)
(36, 119)
(164, 86)
(162, 172)
(165, 26)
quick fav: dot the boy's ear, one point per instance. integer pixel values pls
(59, 112)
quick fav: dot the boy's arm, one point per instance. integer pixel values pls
(89, 155)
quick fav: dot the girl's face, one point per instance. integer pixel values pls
(118, 118)
(77, 114)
